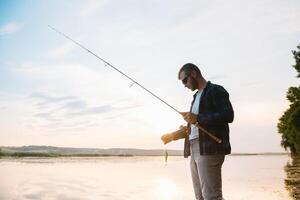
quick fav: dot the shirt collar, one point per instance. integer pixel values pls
(204, 89)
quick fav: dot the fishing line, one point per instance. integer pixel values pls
(110, 65)
(133, 81)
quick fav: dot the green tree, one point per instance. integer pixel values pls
(289, 123)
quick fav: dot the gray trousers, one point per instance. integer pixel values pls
(206, 173)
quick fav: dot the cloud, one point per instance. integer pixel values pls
(62, 50)
(74, 79)
(92, 7)
(64, 112)
(61, 77)
(43, 115)
(56, 72)
(65, 108)
(93, 110)
(113, 117)
(10, 28)
(78, 104)
(49, 99)
(67, 126)
(3, 107)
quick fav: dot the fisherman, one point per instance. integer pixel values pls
(210, 109)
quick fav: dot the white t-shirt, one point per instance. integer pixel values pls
(195, 110)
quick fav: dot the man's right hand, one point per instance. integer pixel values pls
(166, 138)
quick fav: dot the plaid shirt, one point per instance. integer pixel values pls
(215, 112)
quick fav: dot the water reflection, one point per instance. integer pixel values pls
(292, 181)
(165, 189)
(135, 178)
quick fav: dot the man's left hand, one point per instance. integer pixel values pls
(189, 117)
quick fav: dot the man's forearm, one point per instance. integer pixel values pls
(180, 134)
(222, 117)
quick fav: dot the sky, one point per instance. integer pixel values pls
(52, 92)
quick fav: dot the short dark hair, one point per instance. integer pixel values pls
(188, 68)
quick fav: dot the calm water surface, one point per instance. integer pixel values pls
(136, 178)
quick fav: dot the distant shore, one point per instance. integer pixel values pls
(51, 151)
(52, 155)
(36, 154)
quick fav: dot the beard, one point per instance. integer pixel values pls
(194, 84)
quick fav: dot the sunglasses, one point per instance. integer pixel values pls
(184, 81)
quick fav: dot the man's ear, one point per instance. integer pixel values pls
(193, 74)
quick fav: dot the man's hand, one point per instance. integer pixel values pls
(180, 133)
(189, 117)
(166, 138)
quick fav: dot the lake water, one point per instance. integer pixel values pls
(136, 178)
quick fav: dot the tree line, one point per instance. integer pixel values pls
(289, 123)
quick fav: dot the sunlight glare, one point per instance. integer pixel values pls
(165, 189)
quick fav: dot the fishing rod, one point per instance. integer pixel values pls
(133, 81)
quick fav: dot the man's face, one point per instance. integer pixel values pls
(188, 80)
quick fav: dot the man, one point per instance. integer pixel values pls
(212, 110)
